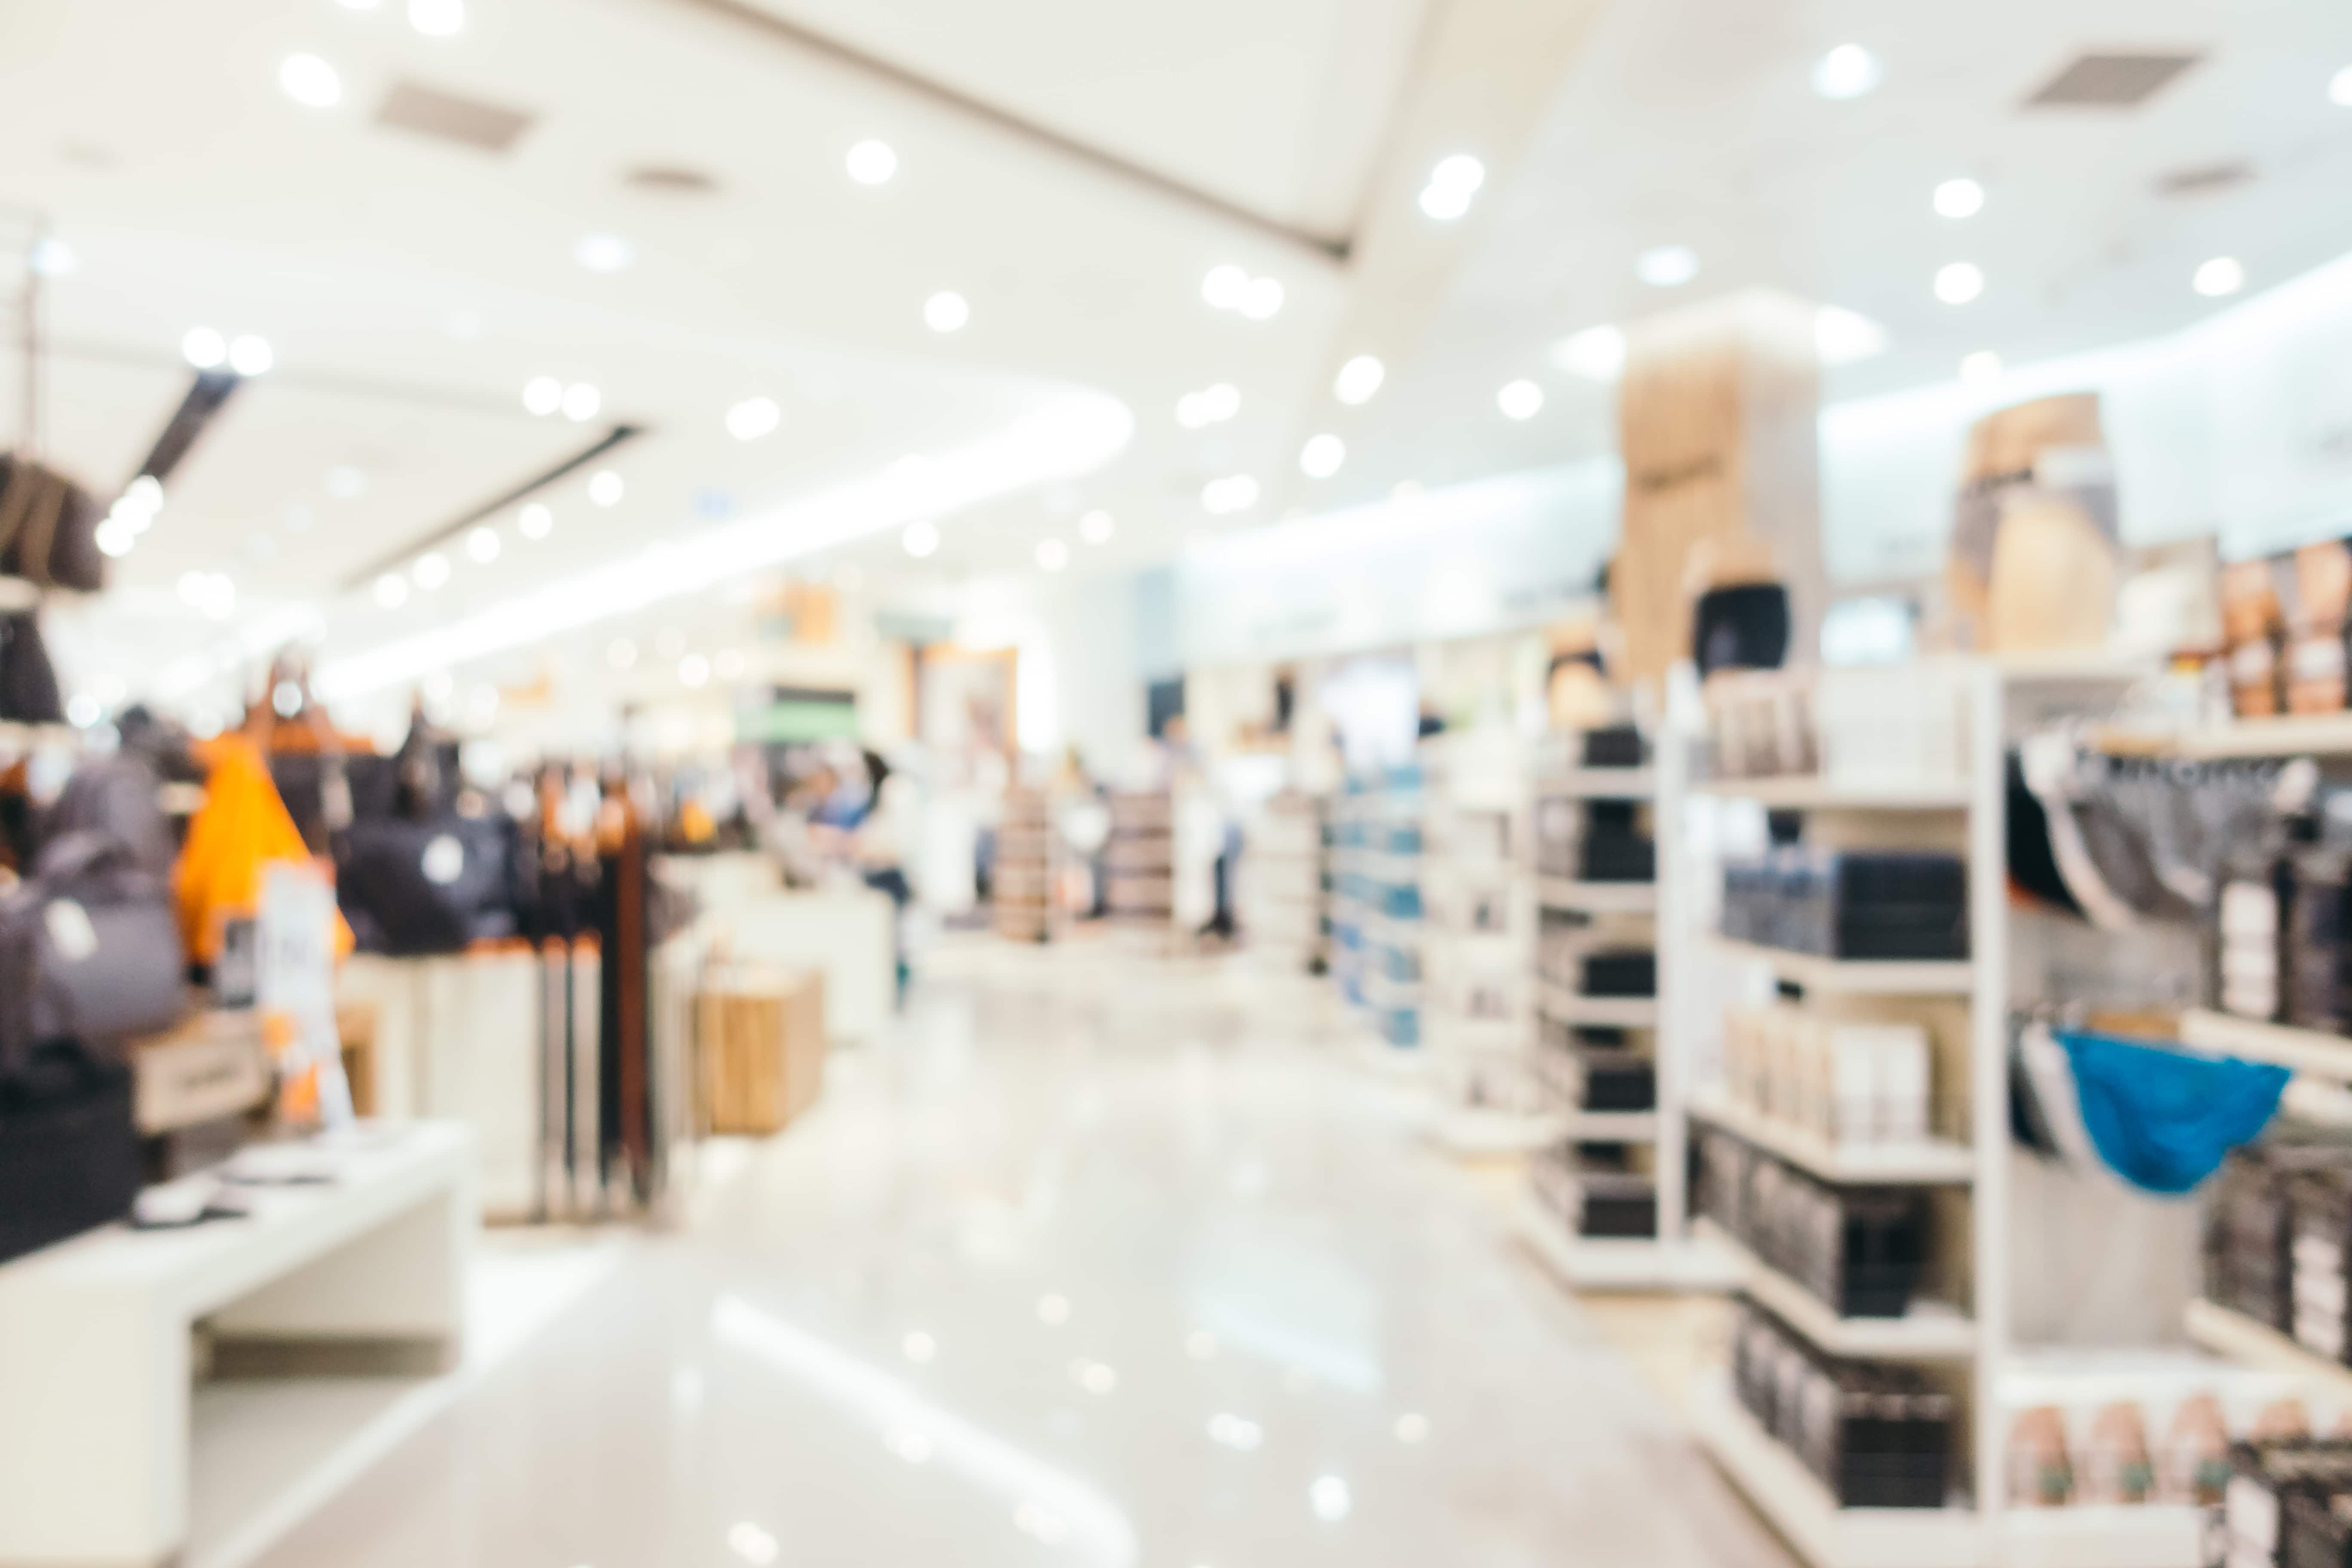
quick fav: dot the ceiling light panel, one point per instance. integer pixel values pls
(1359, 379)
(1847, 71)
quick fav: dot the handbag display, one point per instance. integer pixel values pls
(116, 796)
(90, 955)
(28, 682)
(69, 1157)
(48, 528)
(412, 888)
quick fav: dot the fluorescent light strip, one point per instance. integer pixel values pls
(1090, 1525)
(1079, 435)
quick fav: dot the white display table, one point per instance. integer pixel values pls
(95, 1426)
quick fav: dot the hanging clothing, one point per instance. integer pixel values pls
(2162, 1119)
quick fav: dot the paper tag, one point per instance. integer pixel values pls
(70, 931)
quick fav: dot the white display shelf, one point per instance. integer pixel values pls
(1803, 1510)
(1935, 1163)
(2313, 1051)
(1599, 784)
(2290, 735)
(2104, 1535)
(1563, 1005)
(1606, 1126)
(1596, 898)
(1602, 1265)
(1931, 1330)
(1805, 792)
(2241, 1338)
(1473, 1130)
(1858, 976)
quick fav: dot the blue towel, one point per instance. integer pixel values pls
(2162, 1119)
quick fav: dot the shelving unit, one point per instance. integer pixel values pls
(1671, 1258)
(1376, 907)
(1139, 865)
(1971, 1336)
(1284, 910)
(1855, 976)
(1021, 886)
(2241, 1338)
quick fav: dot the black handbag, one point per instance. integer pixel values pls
(89, 954)
(48, 528)
(411, 888)
(117, 796)
(69, 1157)
(28, 682)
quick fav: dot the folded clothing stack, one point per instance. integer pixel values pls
(1875, 1436)
(1861, 1251)
(1850, 904)
(2288, 1501)
(1592, 1069)
(1595, 1191)
(2278, 1232)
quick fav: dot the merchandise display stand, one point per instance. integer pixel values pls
(1140, 865)
(1284, 911)
(1376, 910)
(1478, 948)
(1963, 1345)
(1575, 911)
(1021, 883)
(105, 1455)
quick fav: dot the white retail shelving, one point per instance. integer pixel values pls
(1564, 1006)
(1606, 1264)
(2313, 1052)
(1856, 976)
(2251, 1343)
(1973, 1334)
(1935, 1162)
(1596, 898)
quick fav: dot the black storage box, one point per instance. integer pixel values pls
(1617, 746)
(1619, 971)
(68, 1154)
(1617, 846)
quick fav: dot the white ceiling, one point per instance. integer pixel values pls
(410, 287)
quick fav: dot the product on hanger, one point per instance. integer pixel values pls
(88, 953)
(28, 682)
(48, 528)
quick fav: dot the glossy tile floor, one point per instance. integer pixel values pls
(1096, 1260)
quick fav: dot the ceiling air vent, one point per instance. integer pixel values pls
(2203, 179)
(468, 121)
(2110, 81)
(671, 180)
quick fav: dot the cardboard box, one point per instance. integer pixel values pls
(212, 1064)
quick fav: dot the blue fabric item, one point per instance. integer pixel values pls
(2162, 1119)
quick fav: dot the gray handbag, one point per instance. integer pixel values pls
(89, 953)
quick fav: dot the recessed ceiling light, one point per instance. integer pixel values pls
(1225, 285)
(1053, 554)
(1212, 404)
(115, 538)
(1412, 1427)
(1666, 265)
(1596, 353)
(750, 1542)
(310, 81)
(1328, 1497)
(482, 544)
(580, 400)
(1959, 282)
(1520, 399)
(606, 488)
(392, 590)
(603, 252)
(542, 396)
(694, 670)
(1262, 300)
(52, 257)
(622, 654)
(1235, 492)
(872, 162)
(535, 521)
(2339, 88)
(753, 417)
(1959, 198)
(1357, 380)
(203, 348)
(438, 18)
(945, 312)
(432, 569)
(1053, 1310)
(1097, 526)
(1451, 185)
(919, 1346)
(1236, 1432)
(1981, 368)
(249, 355)
(1846, 337)
(1847, 71)
(922, 539)
(145, 491)
(1094, 1376)
(2223, 275)
(1321, 457)
(345, 482)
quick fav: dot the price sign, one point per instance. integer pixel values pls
(295, 990)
